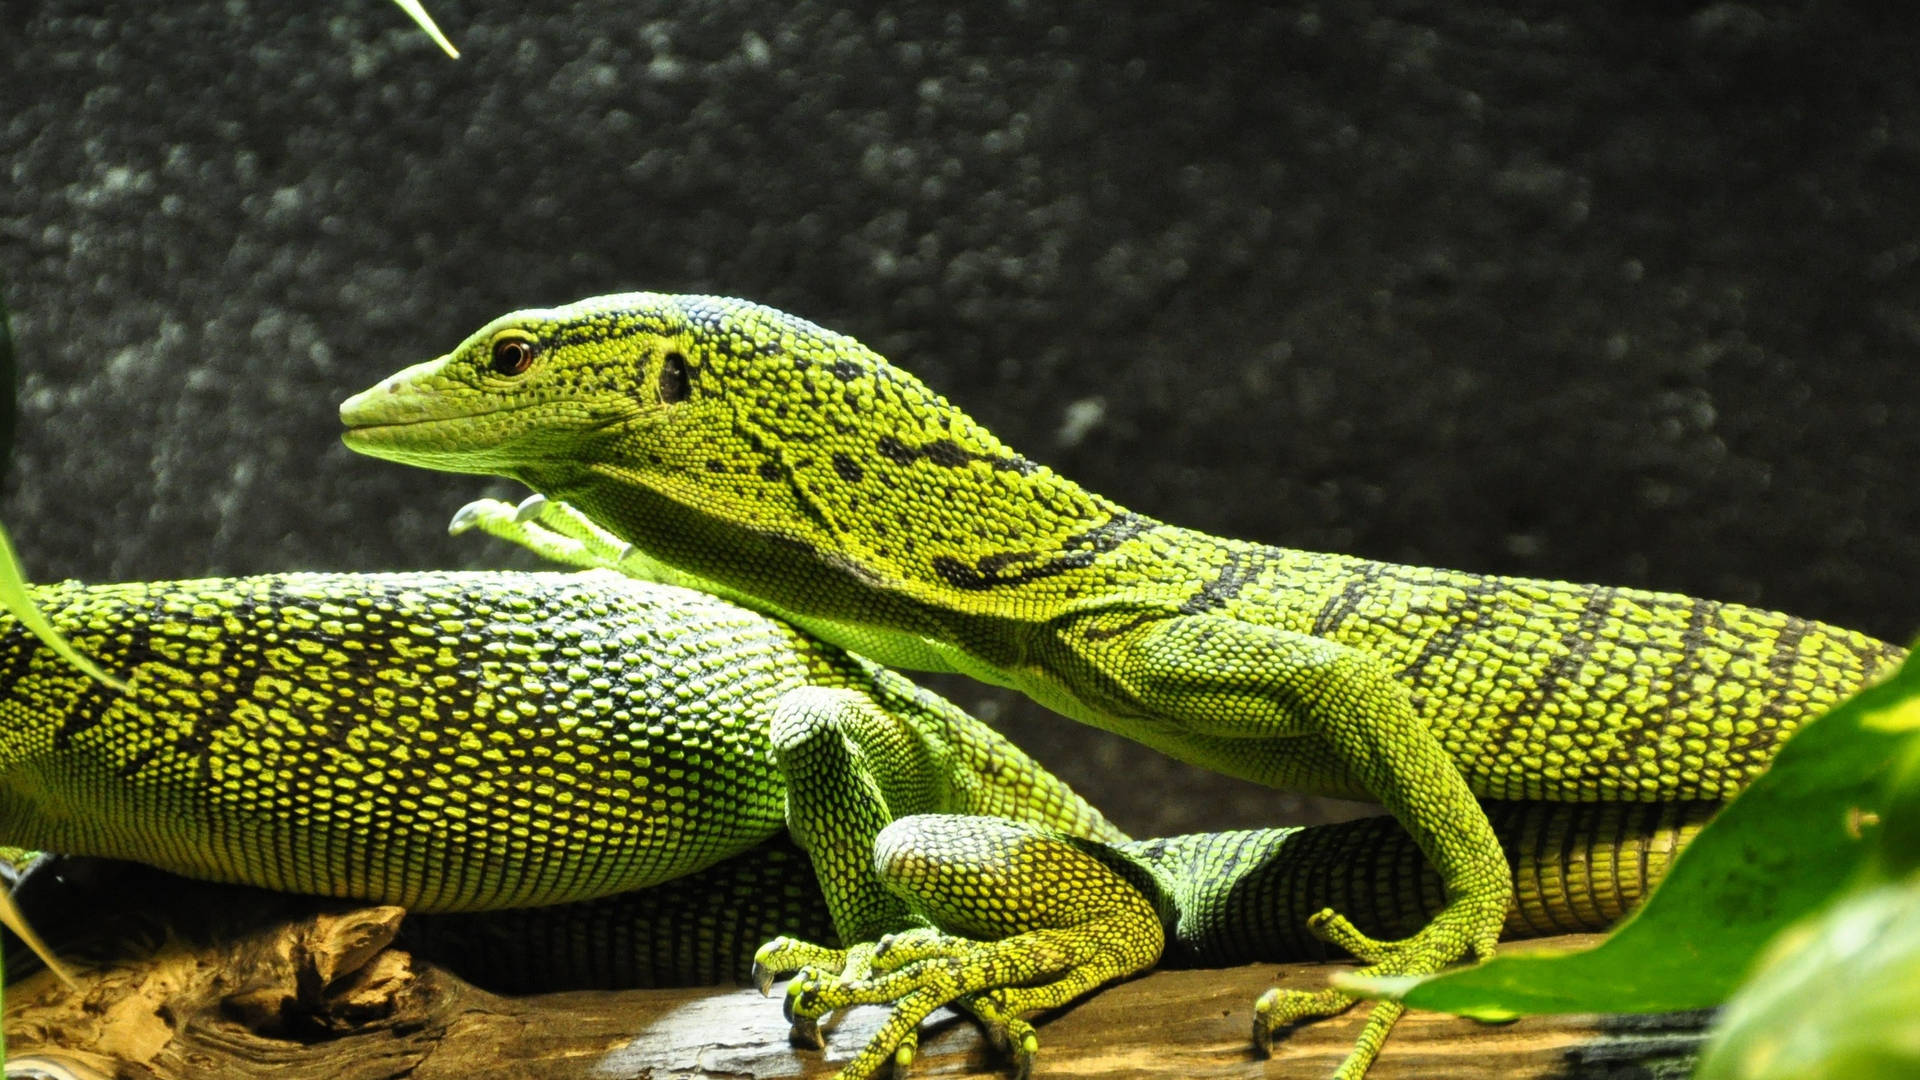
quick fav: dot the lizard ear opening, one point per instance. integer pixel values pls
(675, 386)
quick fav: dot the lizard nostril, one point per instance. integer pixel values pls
(393, 387)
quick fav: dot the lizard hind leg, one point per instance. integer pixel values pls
(1021, 919)
(1232, 692)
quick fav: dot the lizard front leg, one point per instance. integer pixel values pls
(557, 532)
(850, 768)
(1297, 711)
(854, 772)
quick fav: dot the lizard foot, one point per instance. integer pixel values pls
(524, 525)
(1028, 972)
(1027, 920)
(1460, 930)
(553, 531)
(1281, 1008)
(810, 965)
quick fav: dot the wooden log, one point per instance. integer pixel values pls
(238, 983)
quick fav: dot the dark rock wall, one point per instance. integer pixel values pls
(1624, 292)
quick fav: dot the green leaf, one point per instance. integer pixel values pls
(419, 14)
(1837, 998)
(15, 598)
(1792, 841)
(1897, 856)
(1837, 995)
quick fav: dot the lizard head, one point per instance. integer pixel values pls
(528, 387)
(660, 414)
(723, 405)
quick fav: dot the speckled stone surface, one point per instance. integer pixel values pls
(1628, 294)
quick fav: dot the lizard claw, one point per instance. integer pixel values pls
(1024, 1051)
(763, 977)
(469, 516)
(1262, 1024)
(529, 508)
(805, 1034)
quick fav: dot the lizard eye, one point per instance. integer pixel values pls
(511, 356)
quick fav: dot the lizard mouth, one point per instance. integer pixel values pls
(377, 427)
(454, 443)
(393, 431)
(398, 420)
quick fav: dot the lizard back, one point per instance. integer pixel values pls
(445, 741)
(1539, 689)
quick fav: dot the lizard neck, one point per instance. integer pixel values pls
(942, 532)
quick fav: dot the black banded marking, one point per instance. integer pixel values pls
(1781, 668)
(773, 468)
(1343, 604)
(1671, 713)
(1080, 551)
(1565, 667)
(948, 454)
(602, 331)
(1236, 575)
(1453, 630)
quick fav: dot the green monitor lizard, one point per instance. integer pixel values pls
(776, 463)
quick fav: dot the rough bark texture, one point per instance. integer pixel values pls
(250, 985)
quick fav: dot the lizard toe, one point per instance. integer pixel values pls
(529, 509)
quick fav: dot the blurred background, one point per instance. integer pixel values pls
(1621, 292)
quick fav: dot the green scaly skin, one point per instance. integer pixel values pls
(789, 468)
(468, 742)
(457, 742)
(256, 700)
(1578, 867)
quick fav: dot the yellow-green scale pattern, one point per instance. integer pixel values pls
(447, 742)
(1536, 689)
(471, 742)
(790, 468)
(787, 467)
(377, 678)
